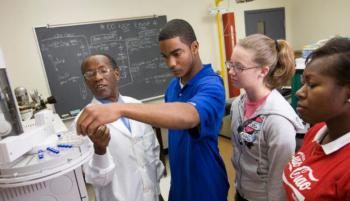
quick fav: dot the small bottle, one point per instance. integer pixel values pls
(40, 154)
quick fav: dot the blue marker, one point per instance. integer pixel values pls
(40, 154)
(53, 150)
(65, 145)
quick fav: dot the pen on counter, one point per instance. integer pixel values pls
(65, 145)
(53, 150)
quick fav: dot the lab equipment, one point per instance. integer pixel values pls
(23, 102)
(22, 96)
(9, 118)
(26, 107)
(27, 170)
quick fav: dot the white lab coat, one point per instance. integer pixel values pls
(131, 169)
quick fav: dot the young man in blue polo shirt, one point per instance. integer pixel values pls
(195, 101)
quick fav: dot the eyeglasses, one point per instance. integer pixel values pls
(237, 67)
(104, 71)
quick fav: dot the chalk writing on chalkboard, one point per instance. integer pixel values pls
(132, 43)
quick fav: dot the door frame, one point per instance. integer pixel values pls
(265, 10)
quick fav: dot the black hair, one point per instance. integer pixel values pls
(112, 61)
(178, 28)
(337, 52)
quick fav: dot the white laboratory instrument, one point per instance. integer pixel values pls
(39, 159)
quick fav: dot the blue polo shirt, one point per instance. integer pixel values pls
(197, 170)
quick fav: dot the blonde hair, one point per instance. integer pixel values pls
(278, 55)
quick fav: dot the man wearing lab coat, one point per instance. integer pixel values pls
(193, 110)
(126, 165)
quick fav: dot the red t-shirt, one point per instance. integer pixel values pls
(251, 106)
(319, 172)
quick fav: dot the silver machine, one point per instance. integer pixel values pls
(26, 107)
(40, 159)
(23, 101)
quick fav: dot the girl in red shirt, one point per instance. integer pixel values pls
(321, 168)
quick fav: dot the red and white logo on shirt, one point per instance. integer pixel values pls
(297, 160)
(300, 176)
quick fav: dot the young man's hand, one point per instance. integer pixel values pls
(93, 116)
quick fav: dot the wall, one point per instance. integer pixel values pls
(313, 20)
(17, 19)
(306, 22)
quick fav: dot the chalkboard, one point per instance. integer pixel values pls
(132, 43)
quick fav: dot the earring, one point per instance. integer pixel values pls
(349, 100)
